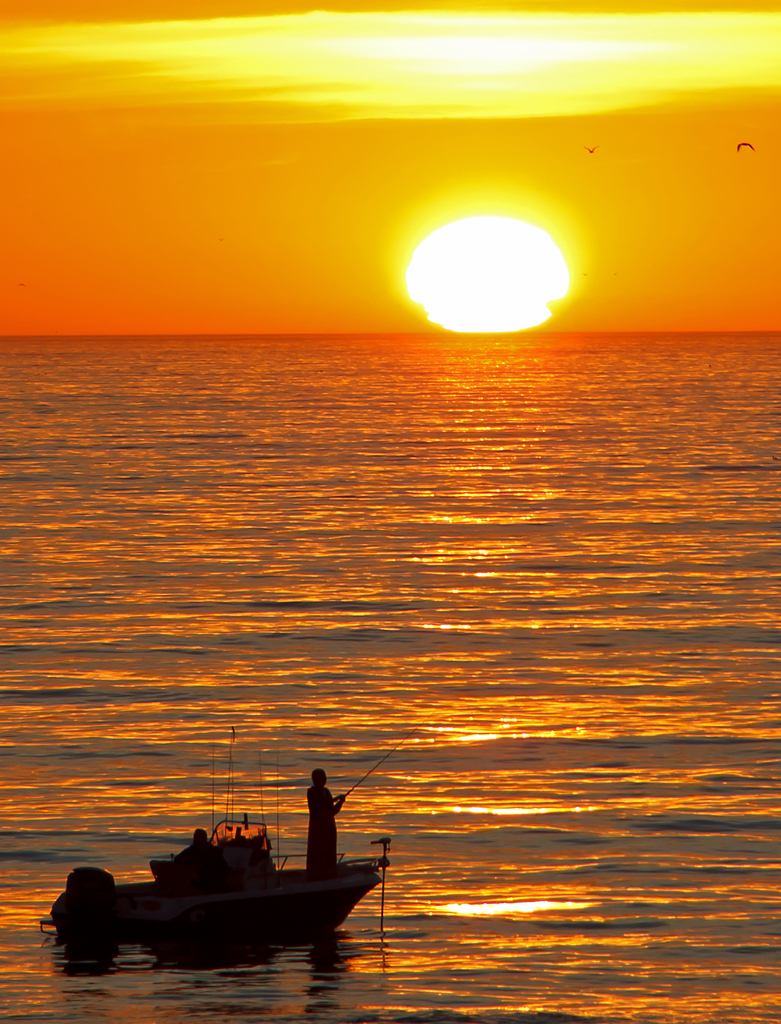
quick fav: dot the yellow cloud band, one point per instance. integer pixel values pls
(400, 65)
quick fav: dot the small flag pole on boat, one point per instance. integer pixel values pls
(385, 758)
(383, 862)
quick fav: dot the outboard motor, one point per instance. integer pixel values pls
(90, 901)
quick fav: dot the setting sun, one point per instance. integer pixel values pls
(486, 274)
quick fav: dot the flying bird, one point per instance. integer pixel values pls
(746, 144)
(591, 150)
(21, 285)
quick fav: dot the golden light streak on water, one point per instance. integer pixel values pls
(516, 811)
(508, 909)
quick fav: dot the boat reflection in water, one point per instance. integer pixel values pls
(83, 955)
(253, 899)
(328, 957)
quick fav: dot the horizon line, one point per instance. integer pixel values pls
(454, 335)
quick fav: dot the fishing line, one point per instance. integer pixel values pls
(382, 759)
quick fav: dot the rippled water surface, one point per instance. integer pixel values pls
(558, 557)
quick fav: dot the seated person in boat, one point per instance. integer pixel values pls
(321, 841)
(212, 870)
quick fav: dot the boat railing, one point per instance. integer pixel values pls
(300, 859)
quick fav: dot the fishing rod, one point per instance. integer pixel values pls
(212, 789)
(228, 808)
(260, 770)
(279, 854)
(385, 758)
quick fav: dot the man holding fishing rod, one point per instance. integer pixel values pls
(321, 840)
(323, 808)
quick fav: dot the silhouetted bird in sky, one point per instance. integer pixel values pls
(589, 148)
(21, 286)
(746, 144)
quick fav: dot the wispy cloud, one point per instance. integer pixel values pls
(398, 65)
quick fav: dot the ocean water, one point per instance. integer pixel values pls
(557, 557)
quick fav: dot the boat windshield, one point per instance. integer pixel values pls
(241, 833)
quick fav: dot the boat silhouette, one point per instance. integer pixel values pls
(260, 898)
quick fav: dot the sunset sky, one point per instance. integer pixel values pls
(207, 167)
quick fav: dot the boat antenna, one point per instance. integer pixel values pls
(385, 758)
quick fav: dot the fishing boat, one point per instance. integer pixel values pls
(259, 899)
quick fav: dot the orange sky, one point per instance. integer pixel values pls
(260, 174)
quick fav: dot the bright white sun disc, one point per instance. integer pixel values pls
(487, 274)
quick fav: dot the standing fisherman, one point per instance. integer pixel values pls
(321, 841)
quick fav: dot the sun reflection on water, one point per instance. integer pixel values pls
(509, 909)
